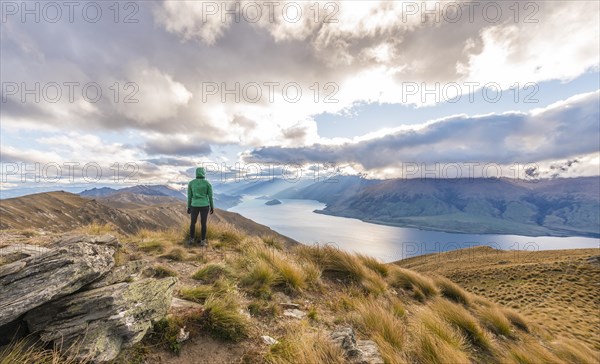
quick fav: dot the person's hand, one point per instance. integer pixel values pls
(189, 210)
(212, 211)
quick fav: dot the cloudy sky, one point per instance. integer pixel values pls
(155, 88)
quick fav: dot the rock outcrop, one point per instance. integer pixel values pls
(69, 293)
(38, 278)
(357, 351)
(100, 321)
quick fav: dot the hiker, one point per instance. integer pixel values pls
(200, 202)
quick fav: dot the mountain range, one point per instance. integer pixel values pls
(124, 212)
(556, 207)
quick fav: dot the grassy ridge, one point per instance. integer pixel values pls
(243, 282)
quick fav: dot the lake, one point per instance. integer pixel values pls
(296, 219)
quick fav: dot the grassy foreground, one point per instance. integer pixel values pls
(557, 289)
(242, 284)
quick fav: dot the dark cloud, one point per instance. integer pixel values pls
(560, 131)
(175, 147)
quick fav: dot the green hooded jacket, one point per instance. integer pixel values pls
(200, 191)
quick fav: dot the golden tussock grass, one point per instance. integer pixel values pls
(338, 264)
(379, 322)
(495, 320)
(463, 320)
(452, 290)
(423, 287)
(435, 341)
(306, 348)
(25, 352)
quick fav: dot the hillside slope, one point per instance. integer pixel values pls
(319, 305)
(558, 289)
(127, 213)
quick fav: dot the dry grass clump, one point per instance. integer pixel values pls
(259, 279)
(421, 286)
(572, 351)
(529, 352)
(452, 290)
(25, 352)
(306, 348)
(159, 271)
(223, 318)
(462, 319)
(272, 242)
(516, 319)
(434, 341)
(337, 264)
(225, 234)
(176, 254)
(202, 292)
(379, 322)
(213, 271)
(374, 265)
(155, 241)
(97, 229)
(496, 321)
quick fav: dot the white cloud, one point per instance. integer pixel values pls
(154, 96)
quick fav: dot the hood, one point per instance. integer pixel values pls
(200, 172)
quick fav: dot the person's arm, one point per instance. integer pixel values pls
(189, 195)
(210, 197)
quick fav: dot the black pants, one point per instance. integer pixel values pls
(203, 212)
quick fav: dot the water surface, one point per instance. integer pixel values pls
(296, 219)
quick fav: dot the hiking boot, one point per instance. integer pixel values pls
(190, 242)
(203, 242)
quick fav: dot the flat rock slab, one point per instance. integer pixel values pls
(101, 321)
(59, 271)
(295, 313)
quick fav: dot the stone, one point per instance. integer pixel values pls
(357, 352)
(12, 253)
(182, 335)
(369, 352)
(101, 321)
(295, 313)
(59, 271)
(268, 340)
